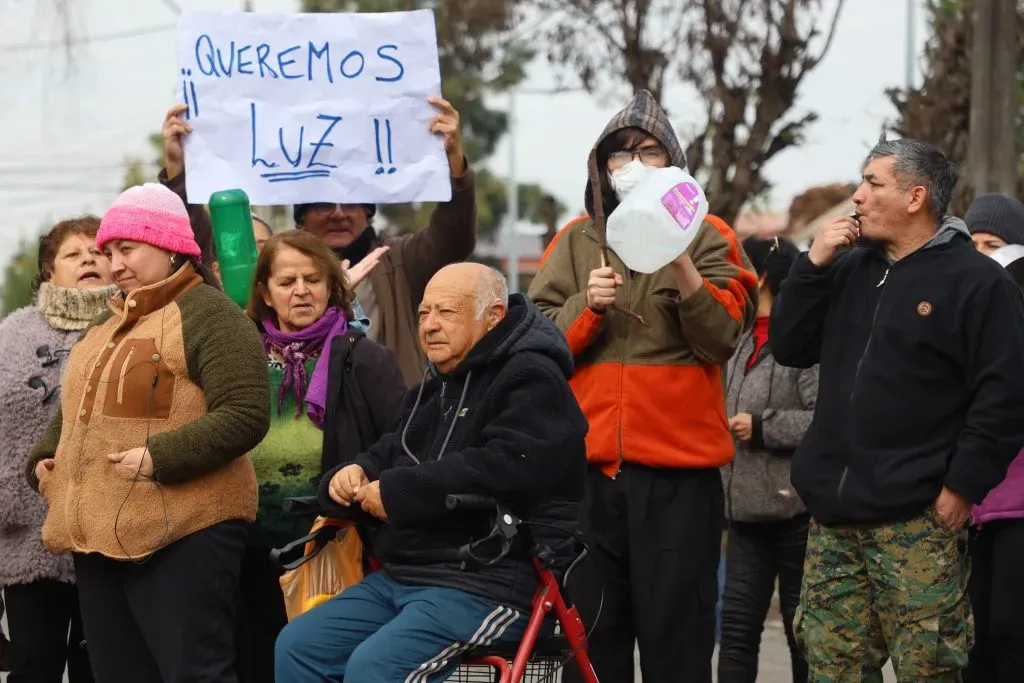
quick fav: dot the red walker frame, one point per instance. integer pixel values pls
(548, 598)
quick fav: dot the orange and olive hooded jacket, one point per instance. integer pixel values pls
(653, 395)
(176, 366)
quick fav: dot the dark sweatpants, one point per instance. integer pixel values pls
(758, 553)
(46, 633)
(656, 538)
(997, 597)
(168, 619)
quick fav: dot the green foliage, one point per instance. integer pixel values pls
(19, 275)
(137, 171)
(745, 60)
(939, 109)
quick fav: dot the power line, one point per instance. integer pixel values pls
(51, 169)
(103, 38)
(53, 187)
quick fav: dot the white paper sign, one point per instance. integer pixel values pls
(297, 108)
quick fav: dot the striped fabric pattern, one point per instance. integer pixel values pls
(490, 631)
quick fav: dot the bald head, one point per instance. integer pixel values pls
(484, 284)
(461, 304)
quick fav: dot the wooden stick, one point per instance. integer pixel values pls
(599, 224)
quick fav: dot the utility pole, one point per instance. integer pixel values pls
(512, 253)
(911, 46)
(513, 197)
(993, 154)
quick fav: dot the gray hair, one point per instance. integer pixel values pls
(919, 163)
(491, 287)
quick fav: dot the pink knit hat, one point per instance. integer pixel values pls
(152, 214)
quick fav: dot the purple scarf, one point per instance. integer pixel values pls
(296, 348)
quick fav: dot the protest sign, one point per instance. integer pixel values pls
(297, 108)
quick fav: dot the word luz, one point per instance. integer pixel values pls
(293, 156)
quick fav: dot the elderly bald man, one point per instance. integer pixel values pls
(494, 417)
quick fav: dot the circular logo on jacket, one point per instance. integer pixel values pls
(924, 308)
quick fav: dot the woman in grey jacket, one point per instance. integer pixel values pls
(770, 409)
(73, 288)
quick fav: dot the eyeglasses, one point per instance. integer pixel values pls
(324, 209)
(649, 155)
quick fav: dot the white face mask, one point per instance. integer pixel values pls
(629, 176)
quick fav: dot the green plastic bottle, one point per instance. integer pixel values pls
(236, 245)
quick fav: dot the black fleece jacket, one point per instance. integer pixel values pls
(504, 424)
(922, 377)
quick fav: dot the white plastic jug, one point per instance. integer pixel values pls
(656, 222)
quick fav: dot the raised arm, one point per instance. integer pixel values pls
(451, 235)
(556, 293)
(799, 312)
(173, 177)
(717, 292)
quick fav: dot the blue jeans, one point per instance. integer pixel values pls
(382, 631)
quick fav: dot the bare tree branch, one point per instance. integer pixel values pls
(746, 59)
(831, 31)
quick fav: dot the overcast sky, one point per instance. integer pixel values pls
(64, 136)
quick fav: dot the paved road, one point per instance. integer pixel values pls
(773, 668)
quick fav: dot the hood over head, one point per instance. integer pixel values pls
(524, 328)
(642, 112)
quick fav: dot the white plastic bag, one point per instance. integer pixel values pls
(657, 220)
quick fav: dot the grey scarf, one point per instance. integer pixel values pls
(68, 308)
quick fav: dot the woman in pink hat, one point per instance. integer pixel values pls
(144, 467)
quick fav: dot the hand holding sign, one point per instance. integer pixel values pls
(447, 124)
(174, 131)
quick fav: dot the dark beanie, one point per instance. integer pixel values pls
(299, 211)
(997, 214)
(771, 263)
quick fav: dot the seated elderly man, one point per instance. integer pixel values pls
(494, 417)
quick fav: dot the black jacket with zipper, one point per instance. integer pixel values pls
(504, 424)
(365, 391)
(922, 377)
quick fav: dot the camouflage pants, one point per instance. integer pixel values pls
(898, 590)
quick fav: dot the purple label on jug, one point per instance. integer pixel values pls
(683, 202)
